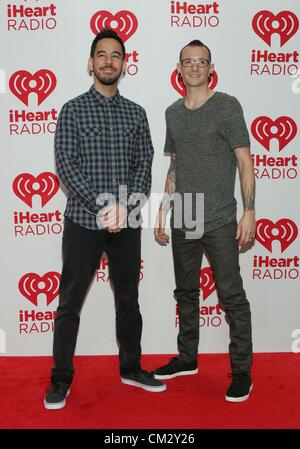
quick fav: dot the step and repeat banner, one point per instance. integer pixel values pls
(44, 52)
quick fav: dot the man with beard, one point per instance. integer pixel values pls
(102, 144)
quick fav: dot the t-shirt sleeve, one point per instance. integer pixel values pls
(237, 134)
(169, 144)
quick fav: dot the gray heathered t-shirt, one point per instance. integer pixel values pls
(203, 140)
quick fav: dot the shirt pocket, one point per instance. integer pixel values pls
(90, 132)
(128, 133)
(91, 142)
(127, 139)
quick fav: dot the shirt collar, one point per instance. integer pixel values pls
(102, 99)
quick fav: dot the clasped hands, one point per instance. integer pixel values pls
(112, 217)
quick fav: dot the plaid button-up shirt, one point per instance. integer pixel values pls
(100, 144)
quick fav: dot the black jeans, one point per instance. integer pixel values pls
(81, 251)
(222, 251)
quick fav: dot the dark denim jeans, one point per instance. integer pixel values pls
(81, 251)
(222, 251)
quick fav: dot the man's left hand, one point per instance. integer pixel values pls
(246, 228)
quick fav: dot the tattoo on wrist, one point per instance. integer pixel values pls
(249, 203)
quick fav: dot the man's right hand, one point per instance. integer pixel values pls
(159, 230)
(112, 217)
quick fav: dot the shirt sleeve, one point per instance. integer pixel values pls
(169, 147)
(66, 146)
(140, 182)
(237, 134)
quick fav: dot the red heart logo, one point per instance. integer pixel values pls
(285, 130)
(47, 186)
(23, 83)
(265, 24)
(124, 23)
(207, 282)
(178, 85)
(284, 230)
(31, 285)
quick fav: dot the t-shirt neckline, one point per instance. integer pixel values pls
(200, 107)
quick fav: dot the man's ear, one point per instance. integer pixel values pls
(90, 66)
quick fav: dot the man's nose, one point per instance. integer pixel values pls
(108, 59)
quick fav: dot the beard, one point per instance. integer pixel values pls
(108, 80)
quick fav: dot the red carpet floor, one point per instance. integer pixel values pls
(99, 401)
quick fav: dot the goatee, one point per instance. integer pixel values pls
(108, 80)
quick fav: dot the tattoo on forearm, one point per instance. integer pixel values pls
(172, 169)
(170, 184)
(171, 177)
(249, 197)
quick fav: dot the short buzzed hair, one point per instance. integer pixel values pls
(195, 43)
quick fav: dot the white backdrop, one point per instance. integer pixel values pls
(44, 50)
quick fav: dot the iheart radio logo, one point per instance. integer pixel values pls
(207, 282)
(284, 230)
(124, 23)
(265, 24)
(31, 285)
(284, 129)
(178, 85)
(45, 185)
(23, 83)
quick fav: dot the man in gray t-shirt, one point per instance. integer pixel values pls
(207, 139)
(203, 141)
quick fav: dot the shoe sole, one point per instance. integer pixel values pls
(171, 376)
(241, 399)
(153, 389)
(57, 405)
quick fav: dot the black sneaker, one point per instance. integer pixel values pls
(240, 387)
(175, 368)
(145, 380)
(56, 396)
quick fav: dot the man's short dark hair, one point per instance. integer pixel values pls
(107, 33)
(196, 43)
